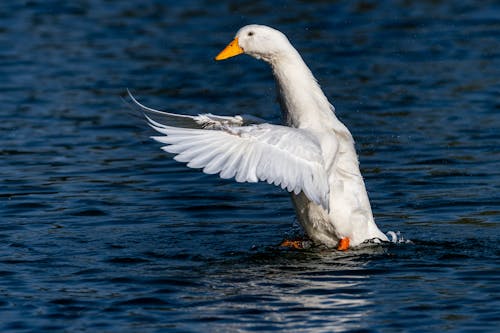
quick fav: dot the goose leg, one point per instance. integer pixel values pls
(343, 244)
(298, 243)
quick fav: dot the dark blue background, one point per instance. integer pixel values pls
(101, 231)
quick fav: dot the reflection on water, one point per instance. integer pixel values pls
(102, 231)
(291, 291)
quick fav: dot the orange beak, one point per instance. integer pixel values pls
(233, 49)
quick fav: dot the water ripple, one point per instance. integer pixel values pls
(102, 231)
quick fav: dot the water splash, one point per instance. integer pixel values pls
(397, 238)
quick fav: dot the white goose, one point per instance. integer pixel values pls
(313, 156)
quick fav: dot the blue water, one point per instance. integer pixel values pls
(101, 231)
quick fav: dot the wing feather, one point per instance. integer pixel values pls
(206, 120)
(244, 148)
(287, 157)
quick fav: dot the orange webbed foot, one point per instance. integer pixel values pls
(296, 244)
(343, 244)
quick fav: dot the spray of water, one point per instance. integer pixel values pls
(397, 238)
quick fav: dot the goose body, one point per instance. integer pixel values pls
(312, 155)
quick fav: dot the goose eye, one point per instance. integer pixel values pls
(250, 33)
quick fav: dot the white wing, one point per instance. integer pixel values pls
(206, 120)
(283, 156)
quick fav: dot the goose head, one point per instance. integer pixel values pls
(258, 41)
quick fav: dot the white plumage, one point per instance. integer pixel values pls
(313, 157)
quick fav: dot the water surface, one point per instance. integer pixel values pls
(102, 231)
